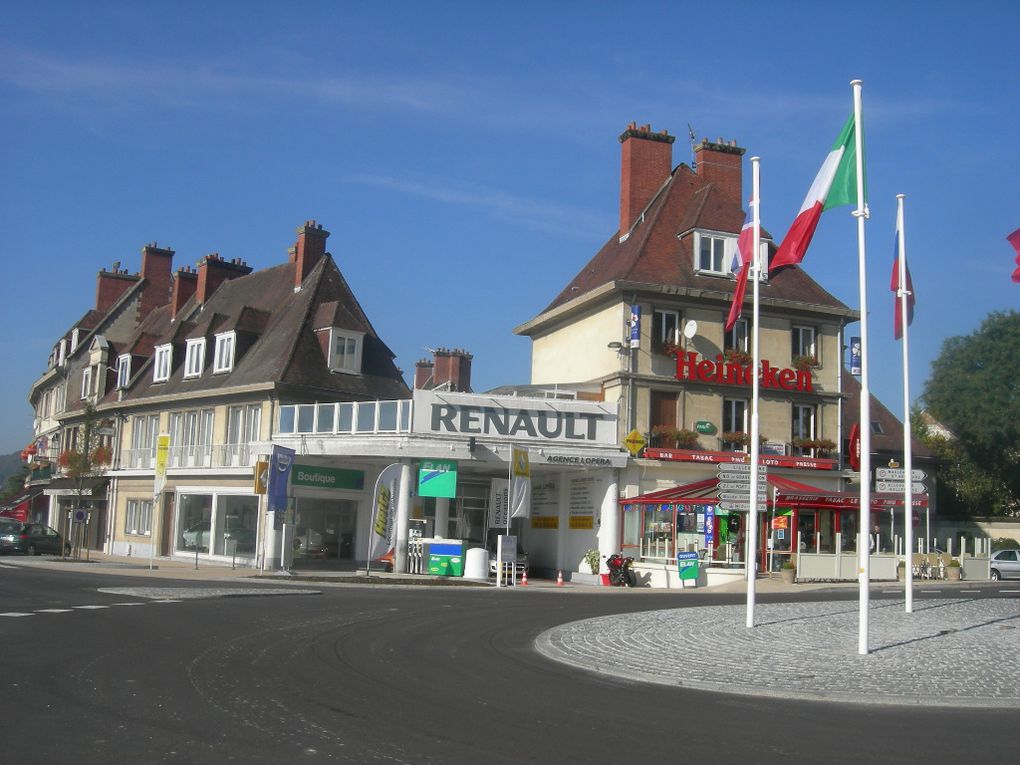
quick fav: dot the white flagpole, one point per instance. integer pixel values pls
(908, 493)
(751, 538)
(864, 532)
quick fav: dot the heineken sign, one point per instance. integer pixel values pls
(327, 478)
(725, 372)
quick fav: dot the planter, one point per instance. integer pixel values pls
(953, 573)
(788, 575)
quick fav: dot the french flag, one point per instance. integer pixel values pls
(740, 266)
(894, 285)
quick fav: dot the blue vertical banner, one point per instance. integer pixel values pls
(709, 529)
(855, 356)
(280, 463)
(635, 326)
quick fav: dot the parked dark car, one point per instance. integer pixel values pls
(30, 538)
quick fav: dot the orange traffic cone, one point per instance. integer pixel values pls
(524, 578)
(559, 578)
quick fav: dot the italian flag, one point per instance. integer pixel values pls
(834, 186)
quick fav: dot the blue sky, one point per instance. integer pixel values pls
(464, 155)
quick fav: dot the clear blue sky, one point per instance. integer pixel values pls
(465, 154)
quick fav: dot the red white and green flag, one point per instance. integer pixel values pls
(834, 186)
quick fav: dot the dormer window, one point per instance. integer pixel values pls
(713, 252)
(224, 357)
(161, 368)
(123, 371)
(345, 350)
(194, 359)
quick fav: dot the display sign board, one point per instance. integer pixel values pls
(327, 478)
(898, 487)
(634, 442)
(437, 478)
(687, 565)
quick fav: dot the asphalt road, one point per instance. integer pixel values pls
(395, 675)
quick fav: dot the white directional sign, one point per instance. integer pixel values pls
(740, 506)
(744, 478)
(899, 487)
(738, 497)
(739, 486)
(898, 474)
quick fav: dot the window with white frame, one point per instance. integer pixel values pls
(736, 338)
(86, 382)
(803, 427)
(665, 329)
(243, 425)
(161, 365)
(191, 437)
(144, 430)
(138, 517)
(734, 421)
(194, 358)
(713, 252)
(224, 356)
(123, 370)
(802, 341)
(345, 350)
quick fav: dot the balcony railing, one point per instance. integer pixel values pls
(198, 456)
(352, 417)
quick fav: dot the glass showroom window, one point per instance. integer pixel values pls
(235, 524)
(138, 518)
(194, 521)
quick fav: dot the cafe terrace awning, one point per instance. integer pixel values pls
(789, 493)
(20, 506)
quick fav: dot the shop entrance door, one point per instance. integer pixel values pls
(324, 533)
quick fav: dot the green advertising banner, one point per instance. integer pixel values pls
(327, 478)
(437, 478)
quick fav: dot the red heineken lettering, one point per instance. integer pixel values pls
(688, 367)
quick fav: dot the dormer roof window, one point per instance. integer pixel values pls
(223, 360)
(161, 366)
(345, 350)
(194, 358)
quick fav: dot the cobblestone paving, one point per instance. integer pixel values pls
(946, 653)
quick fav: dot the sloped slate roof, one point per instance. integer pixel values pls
(284, 351)
(658, 250)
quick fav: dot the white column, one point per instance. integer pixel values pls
(442, 516)
(403, 518)
(609, 528)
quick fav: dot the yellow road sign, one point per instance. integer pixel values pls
(634, 442)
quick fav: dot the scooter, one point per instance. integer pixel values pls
(621, 571)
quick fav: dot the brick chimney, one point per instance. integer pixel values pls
(452, 370)
(646, 162)
(720, 163)
(213, 271)
(185, 284)
(310, 247)
(110, 285)
(423, 372)
(157, 267)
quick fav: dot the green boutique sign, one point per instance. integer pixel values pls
(327, 478)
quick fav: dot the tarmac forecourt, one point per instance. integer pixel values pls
(953, 653)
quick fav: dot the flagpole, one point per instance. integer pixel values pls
(863, 551)
(902, 293)
(751, 537)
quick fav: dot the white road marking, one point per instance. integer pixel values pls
(15, 614)
(53, 611)
(90, 608)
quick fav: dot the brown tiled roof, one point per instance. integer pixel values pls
(658, 250)
(890, 440)
(280, 348)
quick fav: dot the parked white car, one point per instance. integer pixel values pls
(1005, 564)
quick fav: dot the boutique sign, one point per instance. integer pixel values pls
(515, 418)
(722, 372)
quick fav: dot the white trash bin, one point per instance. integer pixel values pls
(476, 564)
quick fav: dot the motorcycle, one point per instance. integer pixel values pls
(621, 571)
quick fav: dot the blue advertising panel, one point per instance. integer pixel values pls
(280, 463)
(635, 326)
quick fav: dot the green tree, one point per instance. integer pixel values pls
(974, 390)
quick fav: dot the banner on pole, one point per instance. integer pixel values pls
(280, 463)
(520, 486)
(162, 456)
(499, 503)
(384, 511)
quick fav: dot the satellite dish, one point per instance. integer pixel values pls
(690, 329)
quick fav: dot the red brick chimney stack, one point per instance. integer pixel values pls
(110, 285)
(310, 247)
(213, 271)
(452, 370)
(157, 267)
(423, 371)
(646, 163)
(720, 163)
(185, 284)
